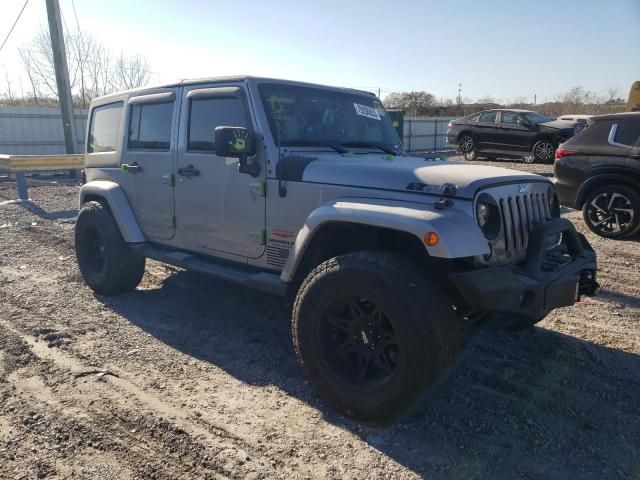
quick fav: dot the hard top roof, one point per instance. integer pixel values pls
(226, 79)
(616, 116)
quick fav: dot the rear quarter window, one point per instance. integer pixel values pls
(628, 132)
(104, 128)
(596, 134)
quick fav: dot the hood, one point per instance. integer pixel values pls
(408, 174)
(559, 124)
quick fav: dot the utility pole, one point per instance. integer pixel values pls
(62, 76)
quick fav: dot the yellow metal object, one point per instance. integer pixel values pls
(633, 104)
(35, 163)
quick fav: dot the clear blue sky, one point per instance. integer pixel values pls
(501, 48)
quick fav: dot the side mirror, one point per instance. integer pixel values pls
(522, 122)
(237, 142)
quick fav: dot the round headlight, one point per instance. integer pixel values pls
(482, 213)
(488, 216)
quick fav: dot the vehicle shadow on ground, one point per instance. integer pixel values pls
(536, 404)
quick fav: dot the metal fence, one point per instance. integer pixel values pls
(423, 134)
(36, 130)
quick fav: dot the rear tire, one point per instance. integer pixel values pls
(372, 332)
(612, 211)
(471, 155)
(107, 263)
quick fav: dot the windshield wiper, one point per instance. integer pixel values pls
(388, 150)
(315, 143)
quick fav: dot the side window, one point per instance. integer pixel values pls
(205, 114)
(150, 126)
(509, 118)
(488, 117)
(628, 132)
(474, 118)
(104, 128)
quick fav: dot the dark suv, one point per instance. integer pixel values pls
(598, 171)
(509, 133)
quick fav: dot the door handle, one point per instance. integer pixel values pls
(133, 168)
(188, 171)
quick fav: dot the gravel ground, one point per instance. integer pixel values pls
(188, 377)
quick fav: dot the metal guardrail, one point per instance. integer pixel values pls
(21, 164)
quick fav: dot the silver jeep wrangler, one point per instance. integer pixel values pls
(304, 191)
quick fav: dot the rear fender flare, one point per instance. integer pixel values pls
(620, 176)
(113, 195)
(458, 232)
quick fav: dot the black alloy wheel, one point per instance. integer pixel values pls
(358, 343)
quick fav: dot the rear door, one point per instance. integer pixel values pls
(511, 135)
(149, 153)
(486, 130)
(219, 211)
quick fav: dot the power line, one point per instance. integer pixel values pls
(14, 25)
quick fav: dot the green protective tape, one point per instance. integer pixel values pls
(124, 167)
(389, 157)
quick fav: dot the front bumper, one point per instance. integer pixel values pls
(544, 281)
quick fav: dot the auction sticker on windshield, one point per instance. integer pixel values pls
(365, 111)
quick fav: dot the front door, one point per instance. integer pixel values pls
(219, 211)
(148, 160)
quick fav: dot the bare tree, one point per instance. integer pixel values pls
(411, 102)
(92, 72)
(486, 99)
(131, 72)
(612, 94)
(8, 86)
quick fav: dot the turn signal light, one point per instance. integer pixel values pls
(431, 239)
(563, 152)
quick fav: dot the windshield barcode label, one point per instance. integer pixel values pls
(365, 111)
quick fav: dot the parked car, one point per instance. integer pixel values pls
(304, 191)
(580, 121)
(598, 171)
(510, 133)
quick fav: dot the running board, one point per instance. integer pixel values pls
(266, 282)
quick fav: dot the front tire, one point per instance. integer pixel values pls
(543, 151)
(372, 332)
(107, 263)
(612, 211)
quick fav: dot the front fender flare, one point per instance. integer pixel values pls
(459, 234)
(116, 199)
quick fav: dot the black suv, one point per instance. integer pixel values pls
(509, 133)
(598, 171)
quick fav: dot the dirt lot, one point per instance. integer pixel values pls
(199, 379)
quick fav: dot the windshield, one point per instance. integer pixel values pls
(535, 117)
(308, 116)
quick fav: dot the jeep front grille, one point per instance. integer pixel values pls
(520, 213)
